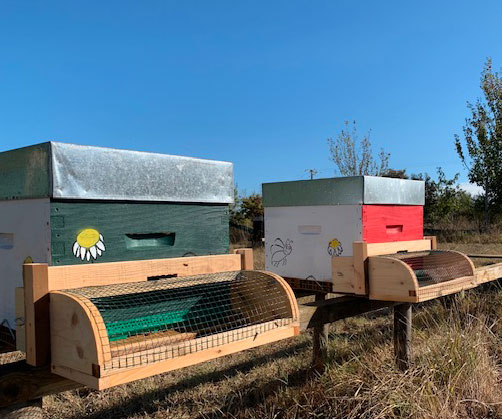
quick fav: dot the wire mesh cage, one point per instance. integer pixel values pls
(417, 276)
(436, 266)
(143, 323)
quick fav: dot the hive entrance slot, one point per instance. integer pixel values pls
(138, 241)
(394, 229)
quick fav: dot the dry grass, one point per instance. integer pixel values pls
(457, 357)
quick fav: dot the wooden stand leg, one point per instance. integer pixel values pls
(402, 335)
(320, 343)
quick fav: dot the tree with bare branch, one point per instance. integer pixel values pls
(353, 156)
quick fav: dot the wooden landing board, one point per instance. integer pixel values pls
(378, 249)
(132, 374)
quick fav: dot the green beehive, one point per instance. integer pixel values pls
(67, 204)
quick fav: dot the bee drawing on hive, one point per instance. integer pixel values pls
(335, 248)
(280, 250)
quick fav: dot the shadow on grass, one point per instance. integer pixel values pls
(250, 395)
(147, 403)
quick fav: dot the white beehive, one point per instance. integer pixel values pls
(307, 223)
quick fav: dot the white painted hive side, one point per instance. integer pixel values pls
(310, 230)
(24, 231)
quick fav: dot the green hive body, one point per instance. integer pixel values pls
(67, 204)
(131, 230)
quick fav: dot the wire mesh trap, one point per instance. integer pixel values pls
(419, 276)
(436, 266)
(145, 323)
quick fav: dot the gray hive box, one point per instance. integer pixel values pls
(67, 204)
(309, 222)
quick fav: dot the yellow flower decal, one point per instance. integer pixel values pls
(89, 244)
(335, 248)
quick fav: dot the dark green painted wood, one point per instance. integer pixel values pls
(198, 230)
(25, 173)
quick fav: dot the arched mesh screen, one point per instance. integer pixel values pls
(150, 321)
(436, 266)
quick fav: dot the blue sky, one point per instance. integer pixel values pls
(262, 84)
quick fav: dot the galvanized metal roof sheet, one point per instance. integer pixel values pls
(344, 191)
(72, 171)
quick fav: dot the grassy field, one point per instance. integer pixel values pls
(457, 348)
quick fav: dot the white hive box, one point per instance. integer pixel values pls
(307, 223)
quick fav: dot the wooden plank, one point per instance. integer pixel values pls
(133, 374)
(343, 274)
(247, 261)
(339, 308)
(377, 249)
(20, 329)
(127, 228)
(360, 252)
(36, 305)
(433, 240)
(448, 287)
(488, 273)
(78, 333)
(388, 223)
(485, 256)
(391, 279)
(77, 276)
(402, 336)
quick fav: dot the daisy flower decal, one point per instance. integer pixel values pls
(89, 244)
(335, 248)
